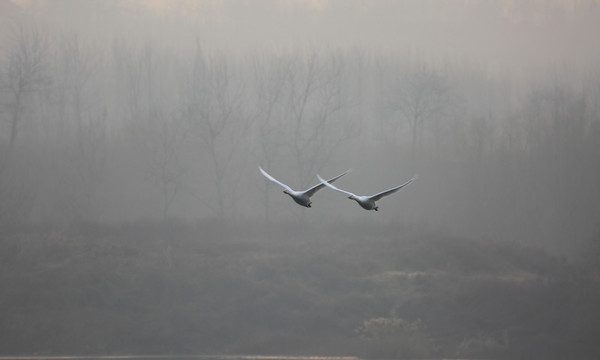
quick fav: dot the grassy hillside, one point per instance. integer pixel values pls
(356, 289)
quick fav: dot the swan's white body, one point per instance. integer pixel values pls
(300, 197)
(367, 202)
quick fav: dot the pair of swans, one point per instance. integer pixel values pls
(303, 197)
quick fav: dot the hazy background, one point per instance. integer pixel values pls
(125, 110)
(159, 112)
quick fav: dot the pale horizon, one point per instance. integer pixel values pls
(502, 36)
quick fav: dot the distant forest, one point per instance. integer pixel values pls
(358, 289)
(130, 131)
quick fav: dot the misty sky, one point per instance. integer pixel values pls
(496, 35)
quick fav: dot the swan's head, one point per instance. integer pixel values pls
(351, 197)
(286, 192)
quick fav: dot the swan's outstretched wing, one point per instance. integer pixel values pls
(392, 190)
(333, 187)
(275, 180)
(310, 192)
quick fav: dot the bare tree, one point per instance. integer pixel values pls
(167, 169)
(557, 122)
(215, 96)
(157, 129)
(85, 125)
(26, 73)
(136, 80)
(299, 99)
(422, 95)
(269, 84)
(314, 97)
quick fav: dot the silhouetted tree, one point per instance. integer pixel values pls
(213, 112)
(82, 126)
(421, 95)
(314, 97)
(269, 82)
(168, 138)
(25, 74)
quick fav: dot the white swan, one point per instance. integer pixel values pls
(367, 202)
(300, 197)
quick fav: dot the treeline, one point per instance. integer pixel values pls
(133, 131)
(376, 292)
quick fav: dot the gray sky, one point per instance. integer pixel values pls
(496, 35)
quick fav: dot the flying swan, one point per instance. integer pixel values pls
(300, 197)
(367, 202)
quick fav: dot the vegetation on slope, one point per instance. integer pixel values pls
(217, 288)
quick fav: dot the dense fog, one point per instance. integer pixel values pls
(150, 113)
